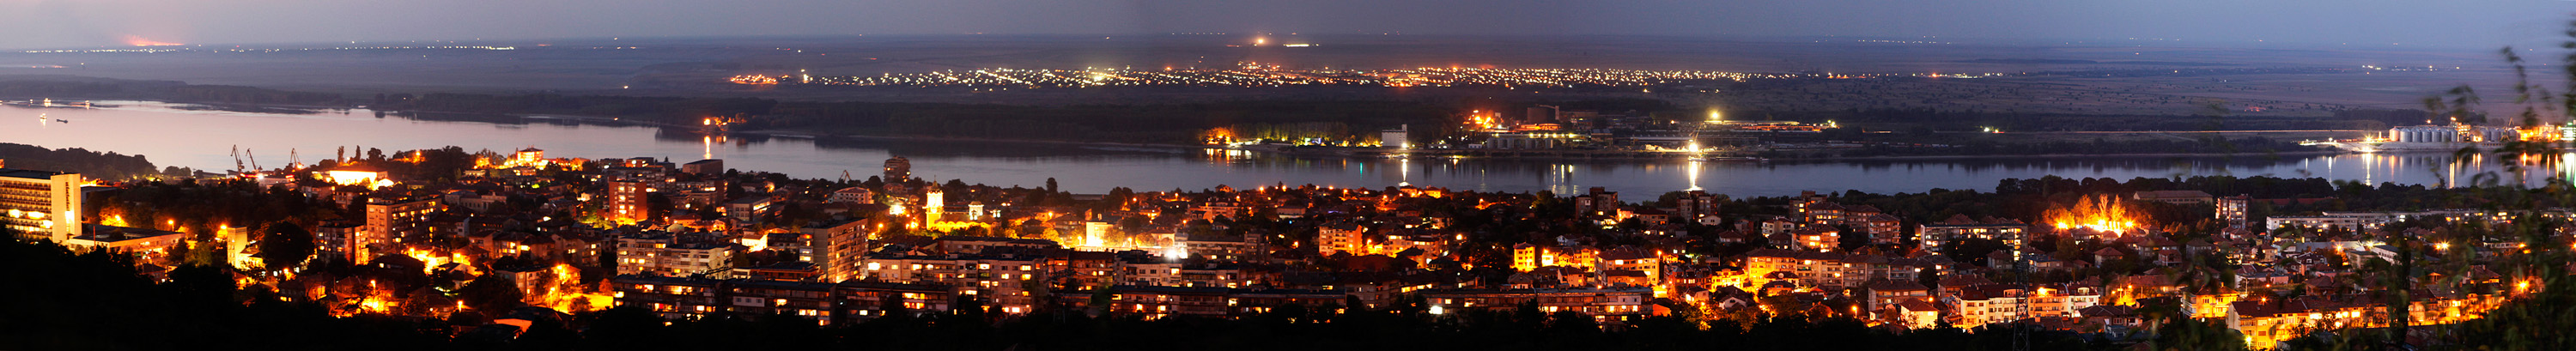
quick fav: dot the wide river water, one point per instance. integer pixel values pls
(179, 135)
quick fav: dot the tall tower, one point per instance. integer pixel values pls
(932, 204)
(898, 169)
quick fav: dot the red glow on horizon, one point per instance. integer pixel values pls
(140, 41)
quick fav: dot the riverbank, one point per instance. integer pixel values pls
(2055, 156)
(803, 135)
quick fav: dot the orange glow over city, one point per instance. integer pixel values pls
(2099, 213)
(140, 41)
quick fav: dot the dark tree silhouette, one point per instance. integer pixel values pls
(285, 245)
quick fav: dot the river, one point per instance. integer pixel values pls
(189, 136)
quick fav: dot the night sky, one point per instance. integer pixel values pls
(2436, 23)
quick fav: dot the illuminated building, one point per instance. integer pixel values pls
(1817, 210)
(863, 301)
(1889, 294)
(1345, 237)
(748, 208)
(41, 205)
(976, 244)
(994, 277)
(1534, 140)
(2232, 209)
(626, 202)
(1817, 238)
(1883, 229)
(357, 175)
(1161, 301)
(147, 245)
(934, 212)
(339, 238)
(1399, 138)
(837, 246)
(528, 157)
(1526, 257)
(853, 195)
(933, 203)
(823, 303)
(389, 220)
(2264, 323)
(1096, 233)
(1607, 306)
(674, 254)
(1936, 235)
(2001, 303)
(1220, 248)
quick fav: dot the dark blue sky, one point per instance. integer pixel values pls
(2441, 23)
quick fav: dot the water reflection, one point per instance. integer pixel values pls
(177, 135)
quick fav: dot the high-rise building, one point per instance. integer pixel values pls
(626, 201)
(837, 246)
(388, 220)
(898, 169)
(41, 204)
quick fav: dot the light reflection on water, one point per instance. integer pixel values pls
(203, 139)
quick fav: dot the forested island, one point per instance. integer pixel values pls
(93, 164)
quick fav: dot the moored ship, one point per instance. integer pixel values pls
(2434, 138)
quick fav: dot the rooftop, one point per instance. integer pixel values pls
(29, 173)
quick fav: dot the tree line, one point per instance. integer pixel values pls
(68, 87)
(92, 164)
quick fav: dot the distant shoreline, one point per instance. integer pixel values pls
(1644, 158)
